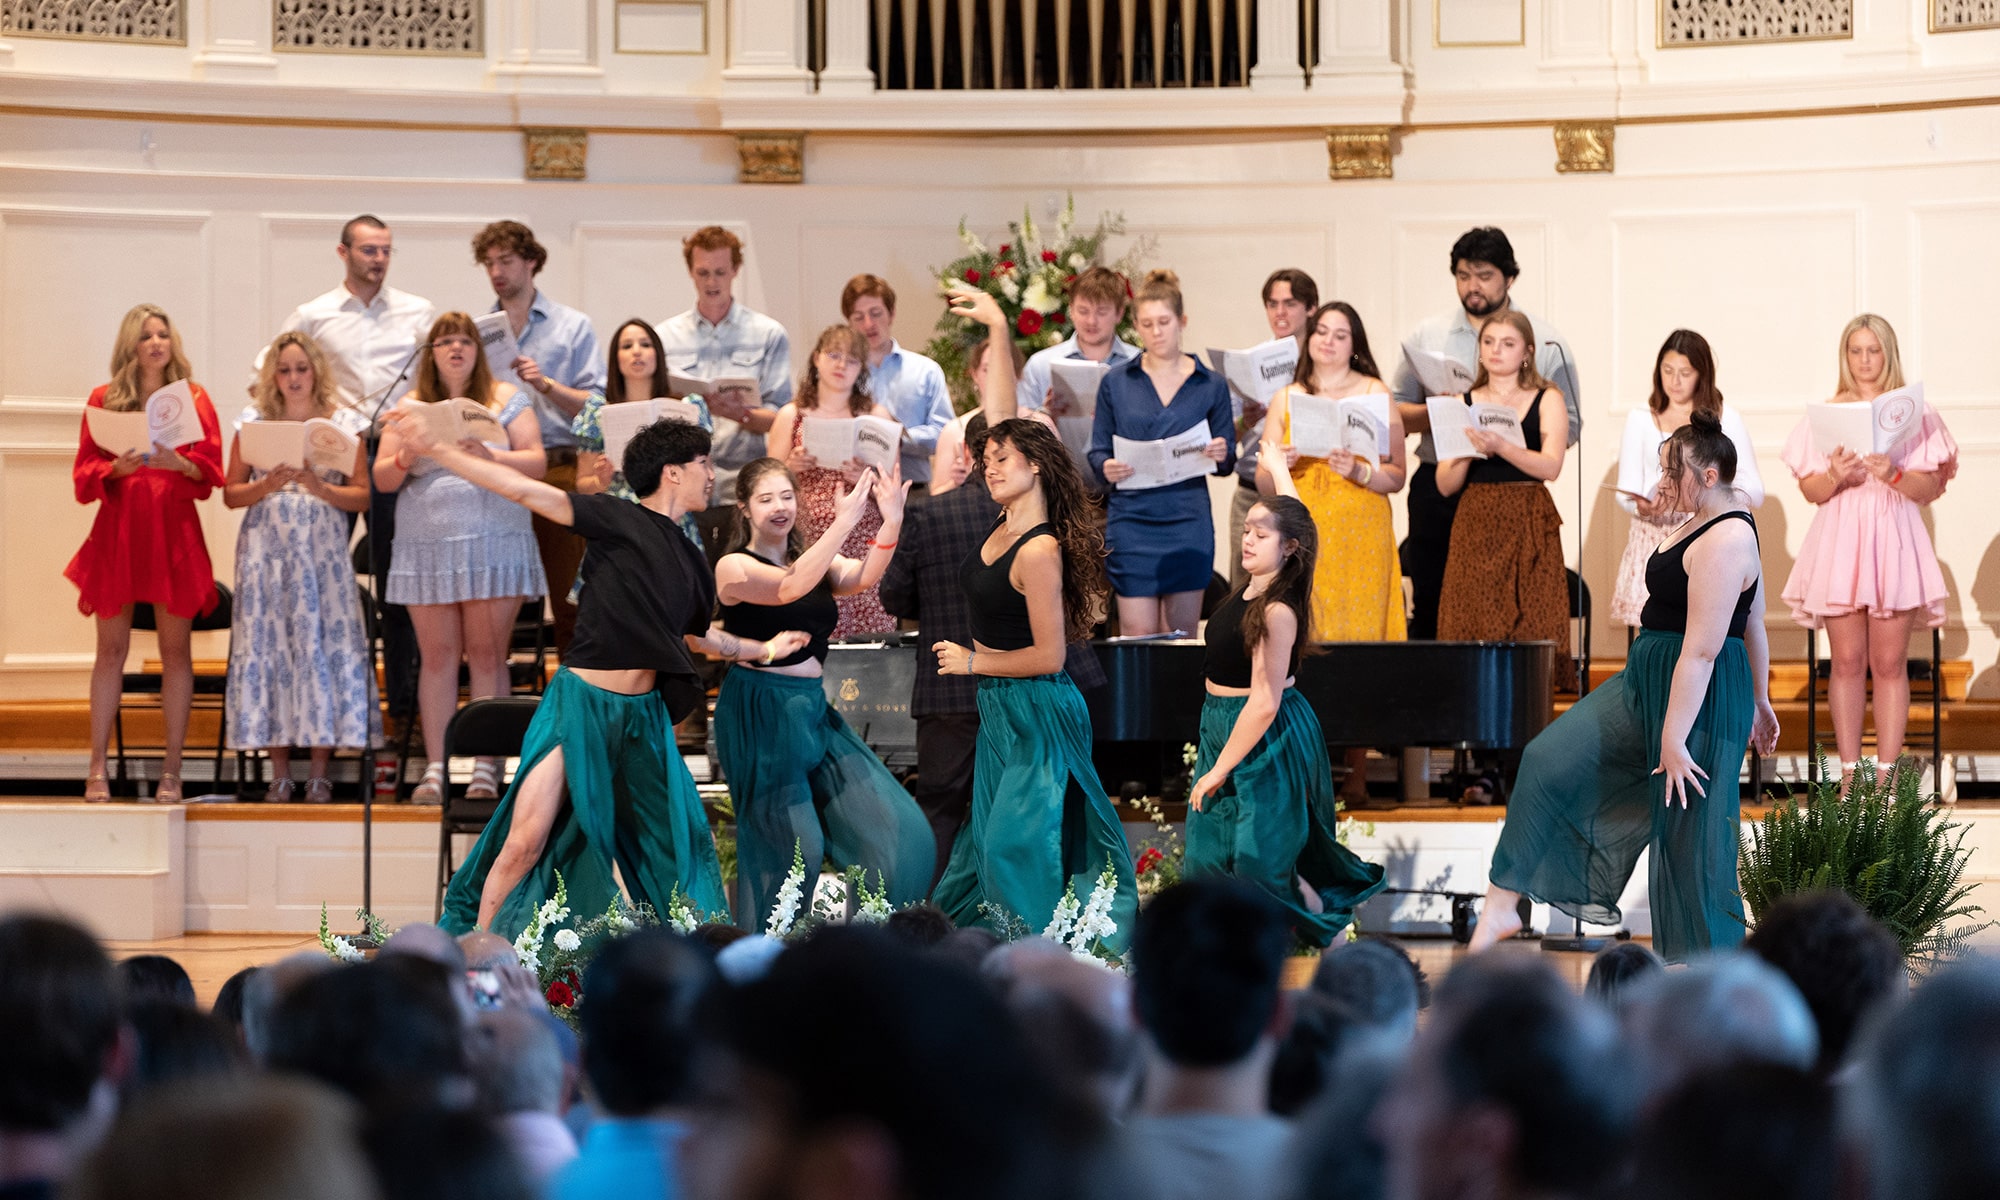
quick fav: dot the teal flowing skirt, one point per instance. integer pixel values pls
(631, 805)
(802, 780)
(1274, 819)
(1586, 803)
(1040, 821)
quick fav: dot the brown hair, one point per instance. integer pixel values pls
(122, 393)
(867, 285)
(1294, 582)
(430, 389)
(1892, 357)
(977, 354)
(1530, 376)
(1101, 285)
(269, 404)
(1359, 359)
(1304, 290)
(1700, 444)
(511, 236)
(1162, 286)
(712, 237)
(614, 379)
(1079, 531)
(848, 340)
(747, 480)
(1693, 347)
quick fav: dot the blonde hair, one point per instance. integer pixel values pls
(1163, 286)
(848, 340)
(1531, 375)
(1892, 357)
(430, 389)
(122, 394)
(269, 404)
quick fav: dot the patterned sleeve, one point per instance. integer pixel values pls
(588, 433)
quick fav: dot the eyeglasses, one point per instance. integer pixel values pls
(449, 343)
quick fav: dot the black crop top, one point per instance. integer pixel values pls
(1667, 585)
(999, 613)
(814, 613)
(1226, 663)
(1497, 469)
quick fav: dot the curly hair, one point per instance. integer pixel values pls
(1079, 533)
(270, 405)
(123, 394)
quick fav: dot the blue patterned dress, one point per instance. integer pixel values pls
(456, 541)
(299, 667)
(590, 435)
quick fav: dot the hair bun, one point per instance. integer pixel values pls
(1707, 422)
(1163, 275)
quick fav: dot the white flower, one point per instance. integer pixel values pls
(567, 941)
(620, 923)
(344, 950)
(1065, 916)
(1077, 262)
(786, 911)
(1009, 288)
(1095, 925)
(1038, 297)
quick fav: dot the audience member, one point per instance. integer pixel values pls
(1378, 982)
(421, 939)
(154, 977)
(62, 1054)
(246, 1139)
(1844, 962)
(517, 1081)
(385, 1032)
(1207, 957)
(922, 925)
(228, 1006)
(1077, 1017)
(1322, 1030)
(1727, 1008)
(1619, 972)
(270, 984)
(1749, 1131)
(1336, 1152)
(485, 950)
(909, 386)
(175, 1043)
(439, 1153)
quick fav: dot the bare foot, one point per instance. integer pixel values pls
(1499, 919)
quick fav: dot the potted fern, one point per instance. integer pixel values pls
(1884, 844)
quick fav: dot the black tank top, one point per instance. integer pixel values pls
(1499, 470)
(1226, 662)
(999, 613)
(1667, 585)
(814, 613)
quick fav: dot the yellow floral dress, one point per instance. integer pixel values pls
(1357, 583)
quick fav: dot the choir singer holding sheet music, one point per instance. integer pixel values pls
(637, 372)
(1161, 538)
(145, 547)
(1867, 567)
(300, 670)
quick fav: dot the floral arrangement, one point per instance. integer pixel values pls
(1160, 853)
(1030, 276)
(1083, 927)
(839, 900)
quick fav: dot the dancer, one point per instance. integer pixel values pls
(1649, 759)
(1040, 820)
(1262, 805)
(601, 781)
(300, 672)
(1867, 566)
(145, 546)
(802, 780)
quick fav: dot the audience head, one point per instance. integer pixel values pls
(147, 342)
(1868, 355)
(455, 365)
(365, 246)
(968, 948)
(1158, 313)
(1289, 294)
(1690, 453)
(673, 454)
(838, 363)
(1097, 303)
(1207, 956)
(636, 354)
(1684, 370)
(511, 257)
(432, 1153)
(1517, 1087)
(641, 999)
(228, 1006)
(921, 925)
(1921, 1117)
(270, 984)
(859, 1059)
(293, 366)
(715, 936)
(1335, 339)
(1322, 1029)
(387, 1031)
(516, 1063)
(145, 977)
(1076, 1016)
(1724, 1009)
(484, 950)
(1378, 982)
(1844, 962)
(177, 1043)
(421, 939)
(1507, 351)
(1336, 1153)
(1749, 1131)
(1022, 455)
(767, 498)
(1620, 971)
(250, 1138)
(59, 1011)
(1281, 541)
(1483, 266)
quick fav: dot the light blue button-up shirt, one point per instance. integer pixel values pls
(744, 342)
(564, 346)
(1033, 386)
(911, 388)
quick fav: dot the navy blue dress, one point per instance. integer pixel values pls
(1162, 540)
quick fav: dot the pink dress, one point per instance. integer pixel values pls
(1867, 549)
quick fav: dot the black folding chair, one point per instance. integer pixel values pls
(491, 728)
(210, 691)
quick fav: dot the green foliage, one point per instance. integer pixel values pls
(1885, 844)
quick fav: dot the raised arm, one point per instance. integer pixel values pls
(1268, 671)
(858, 575)
(998, 399)
(747, 579)
(406, 433)
(1275, 454)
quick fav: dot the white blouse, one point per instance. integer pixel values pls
(1639, 457)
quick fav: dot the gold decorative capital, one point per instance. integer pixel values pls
(770, 158)
(1360, 152)
(1584, 147)
(556, 153)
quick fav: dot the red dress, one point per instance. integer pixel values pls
(146, 546)
(819, 489)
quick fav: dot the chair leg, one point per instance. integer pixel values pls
(118, 738)
(1812, 706)
(1937, 713)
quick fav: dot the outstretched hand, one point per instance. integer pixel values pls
(1682, 773)
(892, 493)
(976, 305)
(848, 506)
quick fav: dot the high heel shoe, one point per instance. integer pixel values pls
(97, 789)
(169, 791)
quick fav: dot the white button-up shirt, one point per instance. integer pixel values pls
(744, 342)
(1454, 336)
(367, 346)
(1033, 386)
(911, 388)
(564, 346)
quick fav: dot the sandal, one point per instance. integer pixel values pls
(280, 791)
(319, 790)
(485, 783)
(97, 789)
(430, 790)
(169, 791)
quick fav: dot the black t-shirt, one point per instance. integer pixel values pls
(644, 585)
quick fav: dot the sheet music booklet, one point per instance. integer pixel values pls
(1451, 417)
(168, 418)
(874, 441)
(459, 418)
(1258, 373)
(1075, 380)
(319, 444)
(1167, 460)
(496, 338)
(1876, 427)
(689, 385)
(1358, 424)
(1440, 374)
(619, 422)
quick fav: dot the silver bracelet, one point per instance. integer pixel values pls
(969, 656)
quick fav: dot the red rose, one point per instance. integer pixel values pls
(1048, 256)
(559, 995)
(1004, 267)
(1005, 247)
(1150, 858)
(972, 276)
(1029, 323)
(1056, 318)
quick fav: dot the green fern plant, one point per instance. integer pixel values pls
(1885, 844)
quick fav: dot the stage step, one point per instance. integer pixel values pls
(120, 869)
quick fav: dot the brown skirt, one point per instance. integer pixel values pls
(1504, 580)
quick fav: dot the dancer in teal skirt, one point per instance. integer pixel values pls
(1040, 823)
(802, 780)
(601, 784)
(1649, 760)
(1262, 806)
